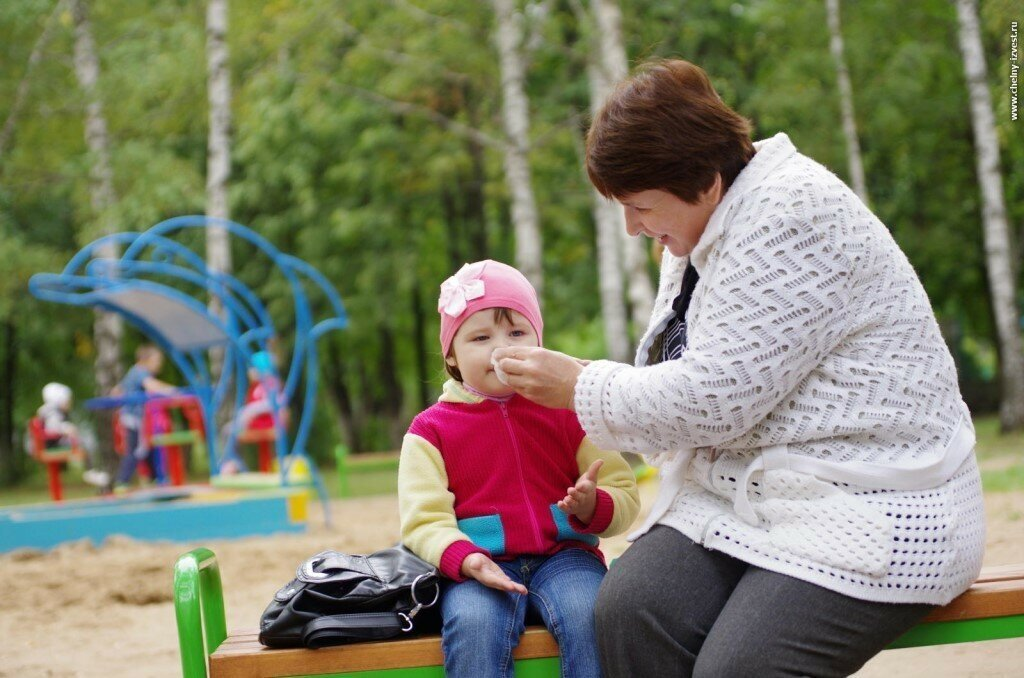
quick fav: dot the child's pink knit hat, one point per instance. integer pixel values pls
(485, 284)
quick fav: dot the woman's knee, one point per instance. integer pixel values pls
(619, 598)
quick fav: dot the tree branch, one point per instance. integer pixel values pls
(19, 98)
(408, 108)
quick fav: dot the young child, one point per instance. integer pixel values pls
(139, 380)
(58, 429)
(256, 413)
(482, 490)
(54, 413)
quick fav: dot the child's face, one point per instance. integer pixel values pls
(154, 363)
(477, 338)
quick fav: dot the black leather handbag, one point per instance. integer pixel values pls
(338, 598)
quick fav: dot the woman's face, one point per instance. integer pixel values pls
(674, 223)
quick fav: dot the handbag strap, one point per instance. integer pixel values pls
(337, 629)
(345, 628)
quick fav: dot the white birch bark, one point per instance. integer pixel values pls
(608, 221)
(995, 225)
(612, 52)
(516, 121)
(853, 154)
(218, 157)
(218, 163)
(107, 327)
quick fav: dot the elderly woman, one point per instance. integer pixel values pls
(819, 492)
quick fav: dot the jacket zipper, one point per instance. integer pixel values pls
(522, 477)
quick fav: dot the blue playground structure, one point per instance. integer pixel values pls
(162, 287)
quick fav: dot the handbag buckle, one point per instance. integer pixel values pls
(419, 605)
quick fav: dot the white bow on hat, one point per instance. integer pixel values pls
(458, 290)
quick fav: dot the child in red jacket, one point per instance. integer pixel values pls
(505, 496)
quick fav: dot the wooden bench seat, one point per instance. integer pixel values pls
(997, 597)
(242, 656)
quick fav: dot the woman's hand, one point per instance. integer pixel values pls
(546, 377)
(486, 571)
(581, 499)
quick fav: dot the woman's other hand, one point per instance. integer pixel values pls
(546, 377)
(486, 571)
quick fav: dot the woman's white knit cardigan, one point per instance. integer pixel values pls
(813, 426)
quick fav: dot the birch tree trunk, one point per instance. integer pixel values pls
(107, 327)
(218, 159)
(608, 221)
(615, 65)
(218, 162)
(994, 220)
(860, 186)
(516, 120)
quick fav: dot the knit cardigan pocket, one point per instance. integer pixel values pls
(814, 519)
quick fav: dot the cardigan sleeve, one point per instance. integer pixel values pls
(775, 304)
(427, 509)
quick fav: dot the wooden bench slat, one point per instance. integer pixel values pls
(1001, 573)
(988, 599)
(242, 655)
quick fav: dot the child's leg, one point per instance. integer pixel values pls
(563, 590)
(128, 461)
(155, 458)
(481, 627)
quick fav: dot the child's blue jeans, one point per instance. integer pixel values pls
(482, 625)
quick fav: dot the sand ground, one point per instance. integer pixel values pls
(81, 610)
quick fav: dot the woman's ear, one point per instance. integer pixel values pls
(713, 194)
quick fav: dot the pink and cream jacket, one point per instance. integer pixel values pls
(483, 475)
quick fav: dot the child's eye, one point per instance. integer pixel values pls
(518, 333)
(482, 337)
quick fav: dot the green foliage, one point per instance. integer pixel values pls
(341, 156)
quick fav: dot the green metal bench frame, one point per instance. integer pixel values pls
(199, 608)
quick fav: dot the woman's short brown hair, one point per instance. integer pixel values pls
(666, 128)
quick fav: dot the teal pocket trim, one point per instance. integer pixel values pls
(565, 531)
(486, 532)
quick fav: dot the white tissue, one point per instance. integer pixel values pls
(498, 372)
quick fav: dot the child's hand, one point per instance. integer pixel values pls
(581, 499)
(484, 570)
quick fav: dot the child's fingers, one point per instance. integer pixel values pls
(493, 576)
(591, 473)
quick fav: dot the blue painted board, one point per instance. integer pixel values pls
(152, 517)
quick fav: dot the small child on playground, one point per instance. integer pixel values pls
(257, 413)
(55, 415)
(58, 431)
(482, 490)
(138, 381)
